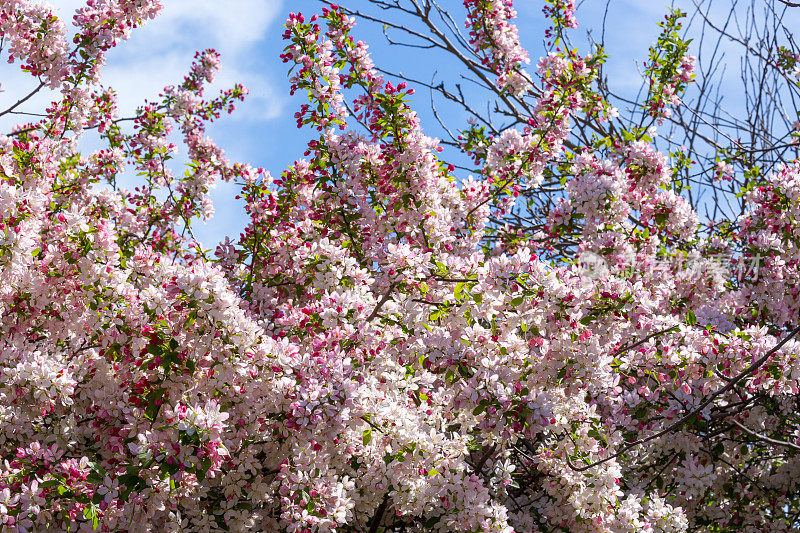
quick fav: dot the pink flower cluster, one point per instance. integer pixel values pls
(668, 91)
(496, 40)
(562, 14)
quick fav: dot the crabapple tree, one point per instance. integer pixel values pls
(557, 341)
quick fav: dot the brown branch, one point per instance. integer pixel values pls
(378, 516)
(381, 302)
(22, 100)
(764, 438)
(482, 462)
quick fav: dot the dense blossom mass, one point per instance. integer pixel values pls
(380, 350)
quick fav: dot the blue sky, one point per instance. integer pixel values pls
(247, 34)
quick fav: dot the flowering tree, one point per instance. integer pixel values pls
(557, 344)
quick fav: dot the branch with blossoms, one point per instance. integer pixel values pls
(669, 68)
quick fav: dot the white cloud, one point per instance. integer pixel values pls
(160, 52)
(232, 25)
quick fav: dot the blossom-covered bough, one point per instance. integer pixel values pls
(389, 345)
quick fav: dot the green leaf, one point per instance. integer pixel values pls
(366, 437)
(690, 318)
(155, 349)
(432, 522)
(459, 290)
(517, 301)
(154, 399)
